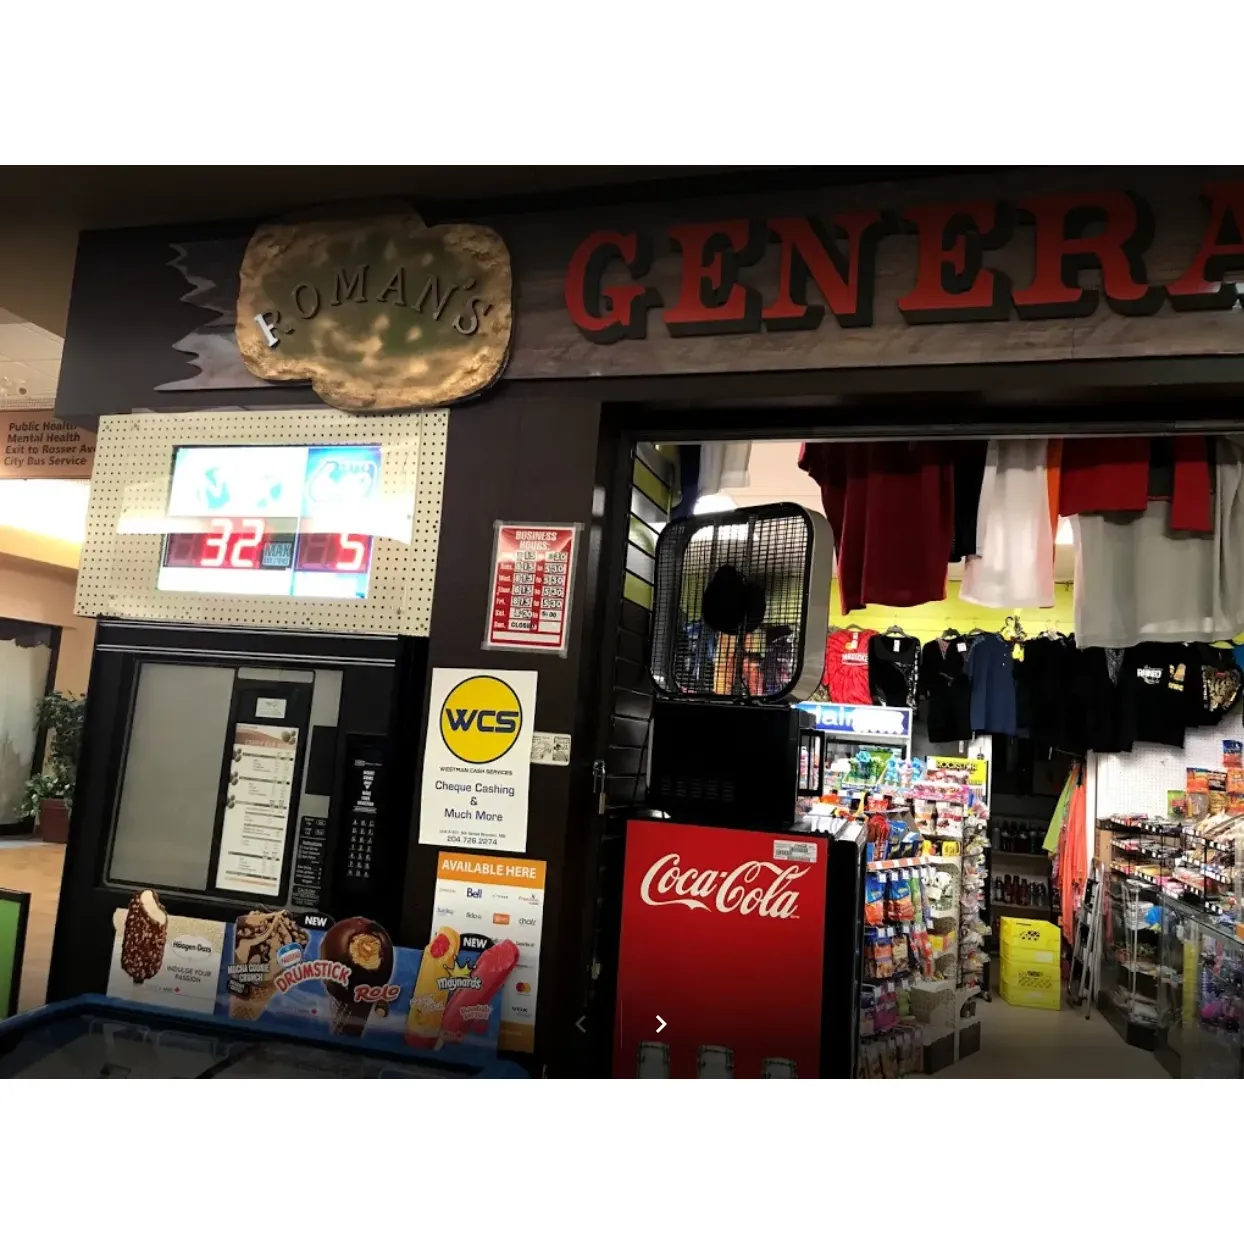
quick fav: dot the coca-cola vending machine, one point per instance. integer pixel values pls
(738, 953)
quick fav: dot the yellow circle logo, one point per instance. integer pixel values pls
(480, 719)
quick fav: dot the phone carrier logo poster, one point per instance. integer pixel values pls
(723, 936)
(477, 762)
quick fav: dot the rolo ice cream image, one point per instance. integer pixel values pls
(366, 949)
(258, 939)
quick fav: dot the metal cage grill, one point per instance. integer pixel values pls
(732, 604)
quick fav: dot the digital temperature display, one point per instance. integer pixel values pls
(287, 520)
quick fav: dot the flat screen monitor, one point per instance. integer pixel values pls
(272, 520)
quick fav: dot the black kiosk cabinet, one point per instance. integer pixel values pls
(263, 587)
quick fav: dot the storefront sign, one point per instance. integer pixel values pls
(532, 584)
(865, 720)
(488, 899)
(609, 291)
(256, 813)
(37, 445)
(476, 765)
(378, 312)
(966, 269)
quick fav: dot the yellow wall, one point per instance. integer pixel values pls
(38, 592)
(929, 621)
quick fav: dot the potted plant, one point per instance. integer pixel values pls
(49, 795)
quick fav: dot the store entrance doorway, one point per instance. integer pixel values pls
(1057, 781)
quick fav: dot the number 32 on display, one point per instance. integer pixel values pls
(239, 549)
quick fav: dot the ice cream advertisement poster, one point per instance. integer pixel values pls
(346, 981)
(496, 900)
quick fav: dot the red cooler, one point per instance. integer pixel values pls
(724, 937)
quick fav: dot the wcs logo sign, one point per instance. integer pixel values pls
(481, 719)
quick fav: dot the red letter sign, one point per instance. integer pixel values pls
(845, 282)
(1061, 249)
(628, 305)
(951, 281)
(1203, 287)
(710, 298)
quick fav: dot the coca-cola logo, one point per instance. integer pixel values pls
(756, 887)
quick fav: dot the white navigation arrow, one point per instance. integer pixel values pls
(661, 1025)
(579, 1023)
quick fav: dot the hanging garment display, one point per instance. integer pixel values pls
(687, 476)
(1138, 580)
(1122, 474)
(892, 662)
(1220, 685)
(891, 507)
(846, 666)
(1054, 479)
(945, 688)
(1163, 683)
(1045, 707)
(1101, 701)
(993, 686)
(723, 464)
(1015, 565)
(969, 467)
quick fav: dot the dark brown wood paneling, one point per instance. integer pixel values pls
(522, 458)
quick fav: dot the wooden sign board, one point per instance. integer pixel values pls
(37, 445)
(378, 311)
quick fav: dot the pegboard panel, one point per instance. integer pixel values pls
(126, 519)
(1137, 781)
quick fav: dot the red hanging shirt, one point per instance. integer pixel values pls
(1109, 474)
(891, 507)
(846, 667)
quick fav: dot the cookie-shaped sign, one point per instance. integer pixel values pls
(379, 311)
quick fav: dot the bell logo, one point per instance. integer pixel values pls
(481, 719)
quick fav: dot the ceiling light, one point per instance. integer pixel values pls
(1064, 534)
(715, 503)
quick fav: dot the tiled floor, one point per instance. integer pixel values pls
(1017, 1042)
(34, 868)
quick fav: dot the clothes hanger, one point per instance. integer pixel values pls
(895, 630)
(949, 633)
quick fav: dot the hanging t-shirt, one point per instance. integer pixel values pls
(1137, 580)
(846, 666)
(969, 467)
(891, 507)
(993, 684)
(945, 688)
(1015, 566)
(1104, 473)
(892, 661)
(1220, 685)
(1043, 681)
(1102, 701)
(1164, 681)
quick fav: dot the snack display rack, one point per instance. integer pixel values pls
(1172, 884)
(923, 938)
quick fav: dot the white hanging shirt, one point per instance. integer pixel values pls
(1015, 567)
(724, 464)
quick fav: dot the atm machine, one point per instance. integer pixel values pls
(262, 584)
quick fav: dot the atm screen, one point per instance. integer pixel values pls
(272, 520)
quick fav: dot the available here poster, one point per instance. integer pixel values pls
(486, 899)
(477, 762)
(256, 816)
(723, 937)
(316, 977)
